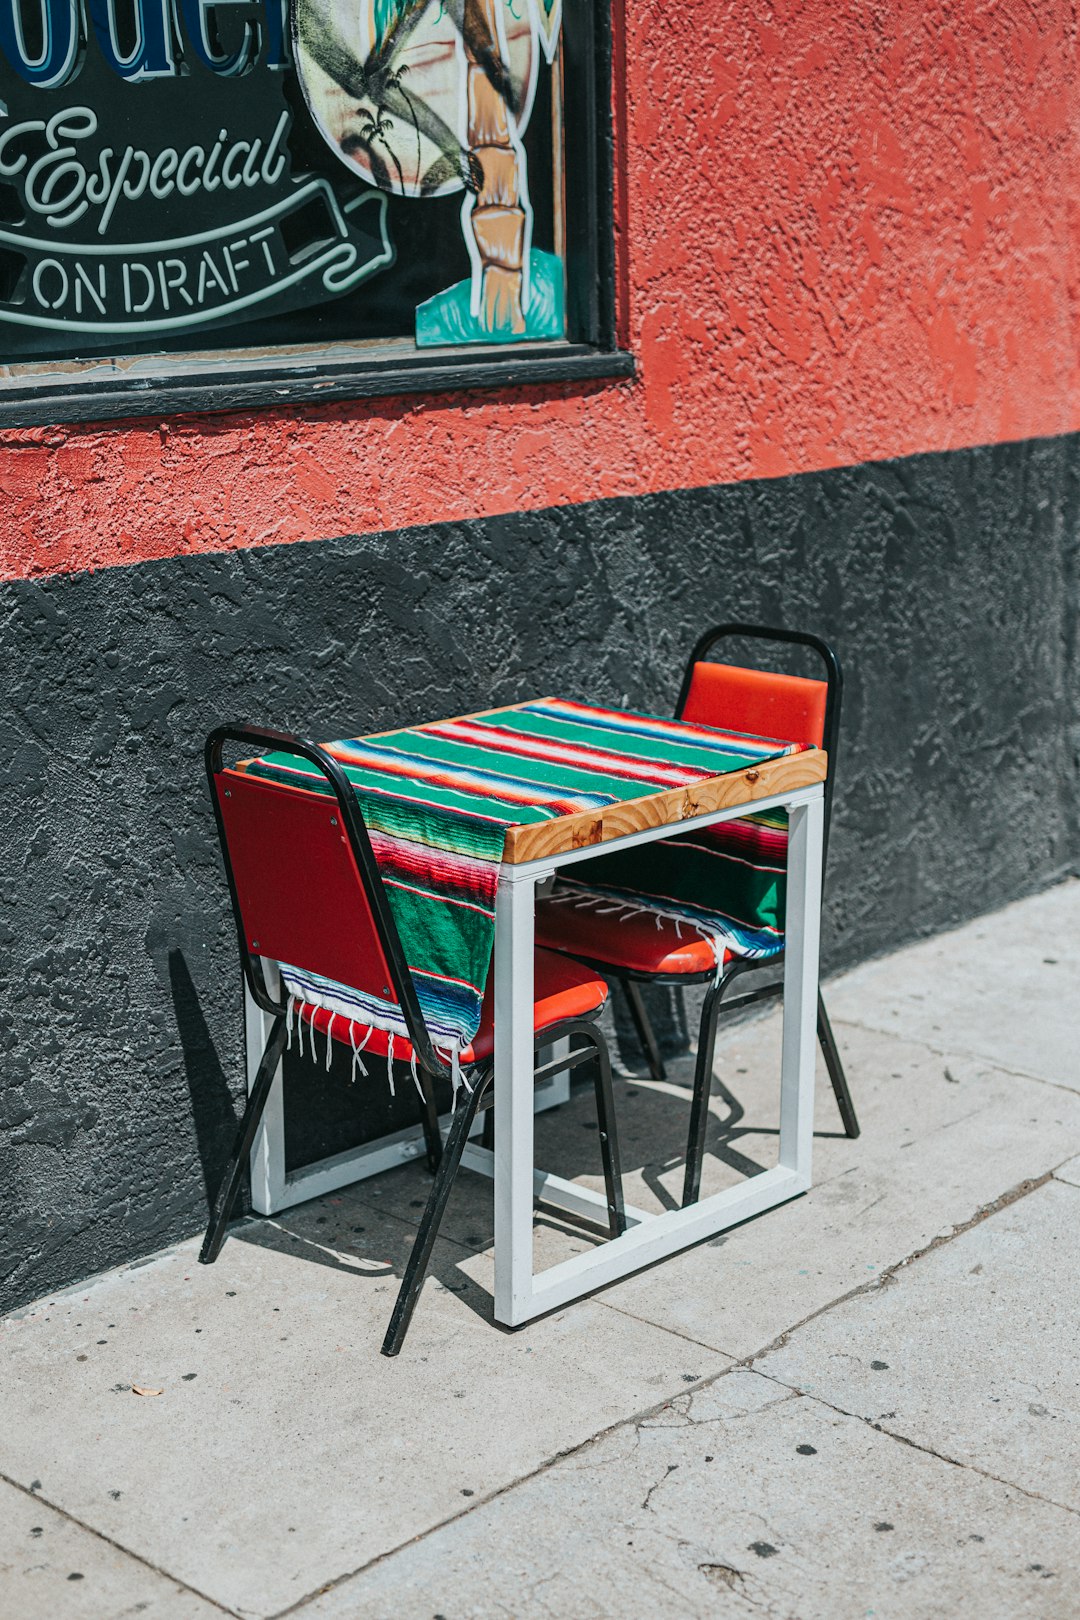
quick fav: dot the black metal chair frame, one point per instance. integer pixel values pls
(442, 1160)
(715, 999)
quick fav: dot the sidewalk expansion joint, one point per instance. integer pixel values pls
(632, 1425)
(662, 1327)
(954, 1051)
(118, 1546)
(888, 1274)
(918, 1445)
(882, 1280)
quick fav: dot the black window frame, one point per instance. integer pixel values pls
(56, 392)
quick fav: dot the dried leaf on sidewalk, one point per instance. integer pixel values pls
(141, 1389)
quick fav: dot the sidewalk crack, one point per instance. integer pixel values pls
(118, 1546)
(632, 1424)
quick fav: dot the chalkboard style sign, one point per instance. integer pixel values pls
(180, 175)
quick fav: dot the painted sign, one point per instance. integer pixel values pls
(432, 97)
(168, 171)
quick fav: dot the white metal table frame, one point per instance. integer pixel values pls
(520, 1294)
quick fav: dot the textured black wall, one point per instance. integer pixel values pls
(949, 582)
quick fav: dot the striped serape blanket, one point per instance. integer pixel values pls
(728, 881)
(438, 800)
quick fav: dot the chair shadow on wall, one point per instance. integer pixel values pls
(213, 1110)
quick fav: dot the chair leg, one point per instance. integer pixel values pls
(429, 1118)
(836, 1070)
(249, 1124)
(645, 1032)
(609, 1141)
(413, 1280)
(699, 1108)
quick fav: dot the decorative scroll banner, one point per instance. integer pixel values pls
(145, 212)
(239, 270)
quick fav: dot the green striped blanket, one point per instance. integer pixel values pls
(729, 881)
(438, 800)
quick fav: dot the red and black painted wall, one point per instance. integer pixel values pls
(849, 272)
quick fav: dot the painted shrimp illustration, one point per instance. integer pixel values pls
(428, 97)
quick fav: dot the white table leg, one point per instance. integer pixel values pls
(514, 937)
(268, 1149)
(802, 934)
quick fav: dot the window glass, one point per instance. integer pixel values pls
(182, 175)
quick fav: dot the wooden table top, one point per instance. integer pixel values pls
(535, 841)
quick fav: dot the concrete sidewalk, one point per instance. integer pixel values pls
(863, 1403)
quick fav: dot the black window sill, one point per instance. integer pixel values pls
(99, 391)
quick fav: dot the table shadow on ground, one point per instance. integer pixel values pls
(337, 1229)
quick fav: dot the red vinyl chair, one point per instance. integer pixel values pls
(649, 949)
(306, 890)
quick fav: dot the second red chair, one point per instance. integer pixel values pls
(649, 948)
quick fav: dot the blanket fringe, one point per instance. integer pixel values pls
(302, 1010)
(603, 906)
(357, 1060)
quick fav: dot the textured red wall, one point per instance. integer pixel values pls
(850, 232)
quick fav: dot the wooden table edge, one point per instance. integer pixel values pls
(537, 840)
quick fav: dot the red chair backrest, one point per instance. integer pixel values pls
(302, 900)
(790, 707)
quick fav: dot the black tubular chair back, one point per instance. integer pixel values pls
(793, 708)
(305, 886)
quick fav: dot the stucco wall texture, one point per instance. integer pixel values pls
(846, 232)
(949, 581)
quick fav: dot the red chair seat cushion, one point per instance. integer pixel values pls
(561, 989)
(641, 942)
